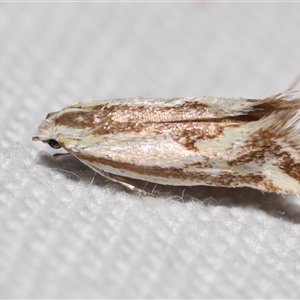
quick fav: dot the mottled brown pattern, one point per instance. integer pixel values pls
(264, 145)
(151, 113)
(185, 133)
(118, 116)
(104, 119)
(256, 149)
(179, 176)
(177, 121)
(78, 120)
(124, 117)
(289, 166)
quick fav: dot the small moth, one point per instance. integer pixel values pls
(229, 142)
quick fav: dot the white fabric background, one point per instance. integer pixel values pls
(67, 233)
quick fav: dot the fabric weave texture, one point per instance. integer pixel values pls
(68, 233)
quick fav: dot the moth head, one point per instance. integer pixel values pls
(46, 132)
(62, 128)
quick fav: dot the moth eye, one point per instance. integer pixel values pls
(54, 144)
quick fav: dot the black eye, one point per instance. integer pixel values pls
(54, 144)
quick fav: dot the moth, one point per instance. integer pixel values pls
(228, 142)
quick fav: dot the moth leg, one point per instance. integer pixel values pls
(117, 179)
(128, 185)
